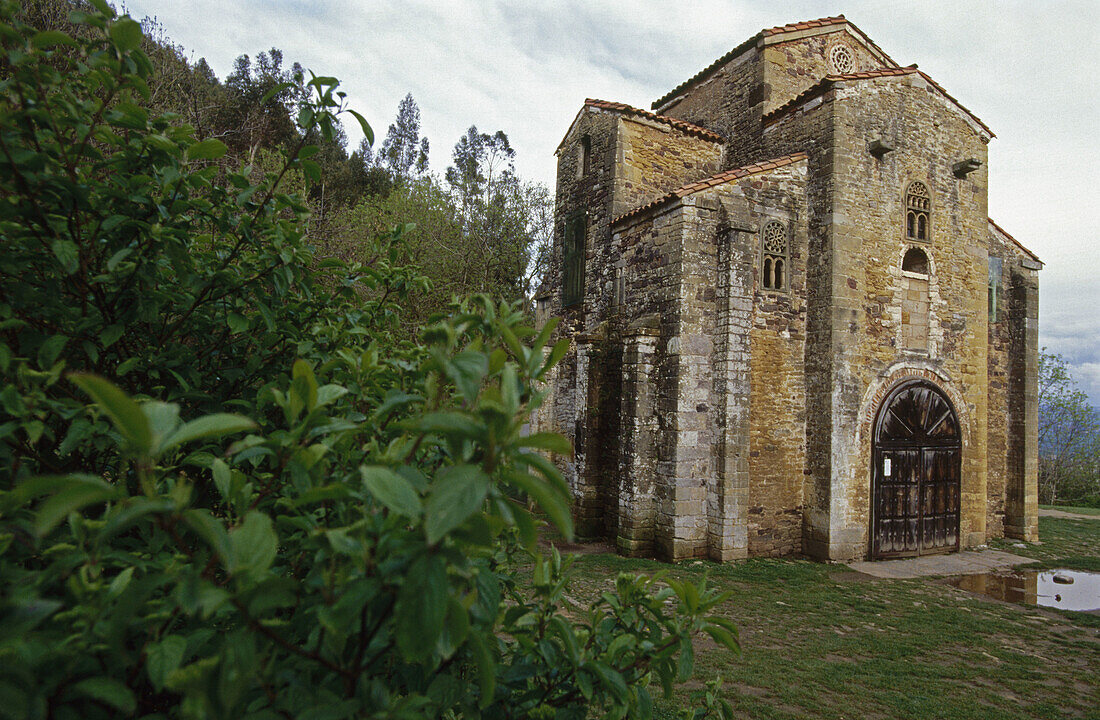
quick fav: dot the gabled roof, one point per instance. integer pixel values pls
(1015, 242)
(709, 182)
(768, 35)
(684, 127)
(829, 81)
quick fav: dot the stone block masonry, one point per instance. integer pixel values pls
(725, 391)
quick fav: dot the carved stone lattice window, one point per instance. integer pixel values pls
(840, 58)
(773, 256)
(917, 218)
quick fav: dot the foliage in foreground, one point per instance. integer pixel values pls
(353, 540)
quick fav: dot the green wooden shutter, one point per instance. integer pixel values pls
(573, 261)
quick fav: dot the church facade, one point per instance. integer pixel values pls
(795, 328)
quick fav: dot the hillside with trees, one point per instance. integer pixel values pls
(239, 477)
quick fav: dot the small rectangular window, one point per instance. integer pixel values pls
(573, 260)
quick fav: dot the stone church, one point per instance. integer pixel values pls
(795, 327)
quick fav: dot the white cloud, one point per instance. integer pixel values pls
(1025, 68)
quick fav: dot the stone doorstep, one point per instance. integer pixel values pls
(966, 562)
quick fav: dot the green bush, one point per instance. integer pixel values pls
(352, 538)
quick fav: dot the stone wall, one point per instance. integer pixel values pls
(871, 291)
(714, 418)
(695, 321)
(793, 66)
(1013, 387)
(653, 159)
(728, 101)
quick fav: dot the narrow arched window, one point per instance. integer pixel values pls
(915, 261)
(917, 209)
(773, 256)
(584, 156)
(915, 301)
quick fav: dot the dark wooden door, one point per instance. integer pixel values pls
(916, 473)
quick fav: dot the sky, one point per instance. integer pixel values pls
(1025, 67)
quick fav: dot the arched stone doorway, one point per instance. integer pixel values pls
(915, 473)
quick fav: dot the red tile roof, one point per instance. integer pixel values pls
(804, 25)
(681, 125)
(770, 32)
(1016, 242)
(829, 81)
(709, 182)
(689, 128)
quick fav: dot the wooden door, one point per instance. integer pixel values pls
(916, 473)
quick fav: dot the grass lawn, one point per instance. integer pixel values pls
(821, 641)
(1073, 509)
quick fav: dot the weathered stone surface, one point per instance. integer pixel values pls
(723, 407)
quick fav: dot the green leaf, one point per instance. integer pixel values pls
(686, 661)
(67, 255)
(49, 350)
(162, 658)
(126, 33)
(110, 335)
(206, 426)
(421, 607)
(556, 354)
(275, 91)
(311, 170)
(254, 545)
(392, 490)
(468, 369)
(118, 257)
(109, 691)
(212, 531)
(486, 669)
(126, 414)
(364, 126)
(120, 583)
(554, 504)
(209, 149)
(163, 420)
(547, 441)
(76, 492)
(222, 478)
(237, 323)
(457, 493)
(50, 38)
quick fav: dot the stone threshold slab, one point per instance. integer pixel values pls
(967, 562)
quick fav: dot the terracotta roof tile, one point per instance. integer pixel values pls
(689, 128)
(1016, 242)
(770, 32)
(828, 81)
(709, 182)
(681, 125)
(804, 25)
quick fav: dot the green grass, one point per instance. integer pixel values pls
(1073, 509)
(820, 641)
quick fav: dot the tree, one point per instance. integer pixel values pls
(362, 547)
(503, 218)
(1069, 434)
(403, 151)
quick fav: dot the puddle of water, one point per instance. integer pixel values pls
(1064, 589)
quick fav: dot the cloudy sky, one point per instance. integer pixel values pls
(1025, 67)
